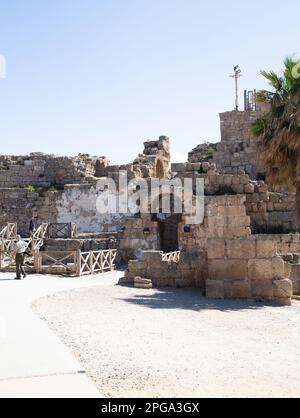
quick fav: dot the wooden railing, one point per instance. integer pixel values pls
(60, 262)
(39, 237)
(93, 262)
(171, 257)
(75, 262)
(62, 230)
(9, 231)
(74, 231)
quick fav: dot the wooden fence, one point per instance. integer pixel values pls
(53, 262)
(75, 262)
(62, 230)
(9, 231)
(171, 257)
(92, 262)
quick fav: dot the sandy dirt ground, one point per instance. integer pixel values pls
(175, 343)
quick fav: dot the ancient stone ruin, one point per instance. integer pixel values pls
(246, 247)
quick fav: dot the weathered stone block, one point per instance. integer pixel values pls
(288, 268)
(283, 288)
(249, 188)
(152, 257)
(241, 289)
(227, 269)
(265, 269)
(232, 210)
(262, 289)
(215, 289)
(125, 281)
(237, 232)
(216, 248)
(240, 248)
(265, 248)
(140, 280)
(143, 286)
(238, 221)
(283, 301)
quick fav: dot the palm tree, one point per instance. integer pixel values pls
(278, 128)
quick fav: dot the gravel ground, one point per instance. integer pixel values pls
(175, 343)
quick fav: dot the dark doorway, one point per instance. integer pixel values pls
(168, 232)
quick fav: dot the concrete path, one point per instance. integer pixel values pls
(33, 361)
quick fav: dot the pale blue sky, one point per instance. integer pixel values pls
(102, 76)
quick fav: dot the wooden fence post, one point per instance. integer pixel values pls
(91, 262)
(37, 262)
(77, 256)
(110, 260)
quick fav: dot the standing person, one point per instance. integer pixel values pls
(32, 226)
(20, 249)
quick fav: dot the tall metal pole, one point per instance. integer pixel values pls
(237, 74)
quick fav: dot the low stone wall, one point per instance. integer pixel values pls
(247, 268)
(189, 272)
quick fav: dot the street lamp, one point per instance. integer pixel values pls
(237, 74)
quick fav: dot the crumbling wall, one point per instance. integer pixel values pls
(155, 160)
(270, 212)
(45, 170)
(77, 204)
(18, 206)
(203, 153)
(238, 147)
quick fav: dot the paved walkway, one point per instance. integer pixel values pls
(33, 361)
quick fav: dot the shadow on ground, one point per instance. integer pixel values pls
(191, 299)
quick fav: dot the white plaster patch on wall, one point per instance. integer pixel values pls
(79, 206)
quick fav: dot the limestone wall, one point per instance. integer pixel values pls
(238, 147)
(189, 272)
(44, 170)
(18, 206)
(76, 204)
(269, 212)
(140, 234)
(247, 268)
(241, 265)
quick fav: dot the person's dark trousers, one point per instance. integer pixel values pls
(20, 258)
